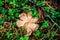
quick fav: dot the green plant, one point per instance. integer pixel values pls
(10, 29)
(13, 13)
(1, 27)
(17, 15)
(24, 38)
(24, 1)
(45, 24)
(1, 21)
(52, 34)
(10, 17)
(47, 9)
(8, 34)
(10, 12)
(1, 2)
(42, 3)
(37, 33)
(26, 7)
(14, 23)
(54, 14)
(3, 10)
(13, 2)
(34, 13)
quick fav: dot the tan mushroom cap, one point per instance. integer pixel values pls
(29, 22)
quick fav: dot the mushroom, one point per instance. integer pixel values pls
(27, 21)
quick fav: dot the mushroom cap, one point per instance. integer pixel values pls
(29, 22)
